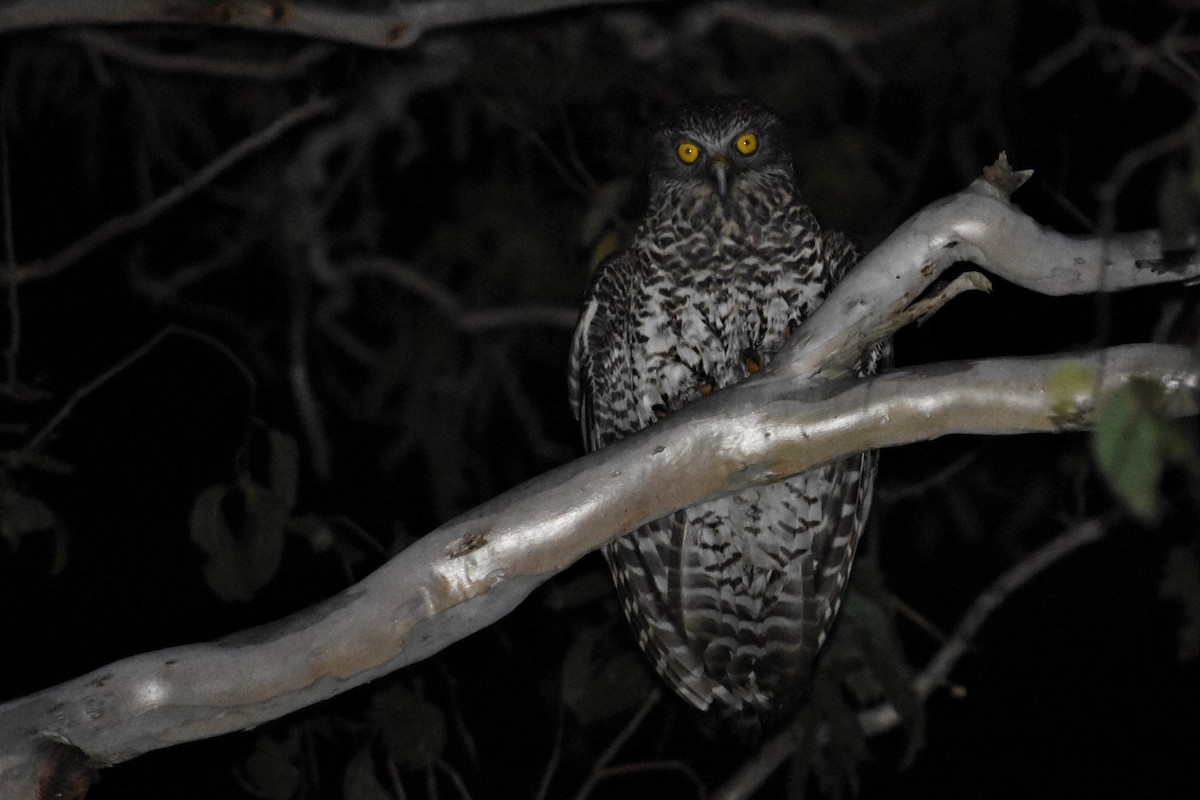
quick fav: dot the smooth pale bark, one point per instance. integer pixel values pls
(477, 568)
(981, 226)
(396, 24)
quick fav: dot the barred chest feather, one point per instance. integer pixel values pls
(702, 328)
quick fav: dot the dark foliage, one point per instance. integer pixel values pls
(369, 320)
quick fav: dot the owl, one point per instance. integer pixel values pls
(730, 599)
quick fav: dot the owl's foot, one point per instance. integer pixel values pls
(752, 360)
(661, 409)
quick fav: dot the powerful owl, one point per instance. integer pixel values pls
(731, 598)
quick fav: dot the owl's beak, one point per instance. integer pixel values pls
(720, 168)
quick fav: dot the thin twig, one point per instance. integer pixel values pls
(1137, 158)
(120, 48)
(451, 308)
(843, 34)
(394, 777)
(505, 377)
(1164, 58)
(455, 778)
(139, 218)
(617, 743)
(919, 620)
(1024, 571)
(657, 766)
(555, 754)
(1052, 63)
(431, 784)
(762, 765)
(13, 349)
(885, 717)
(887, 494)
(312, 421)
(386, 24)
(39, 439)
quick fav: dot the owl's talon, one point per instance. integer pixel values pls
(792, 327)
(707, 389)
(752, 360)
(660, 411)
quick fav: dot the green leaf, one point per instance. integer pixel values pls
(1133, 442)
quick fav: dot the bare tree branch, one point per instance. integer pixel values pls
(120, 49)
(1167, 57)
(845, 36)
(1023, 572)
(475, 569)
(392, 24)
(12, 350)
(978, 225)
(1137, 158)
(142, 216)
(470, 321)
(755, 771)
(39, 439)
(614, 747)
(884, 718)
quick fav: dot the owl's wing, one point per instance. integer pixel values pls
(650, 576)
(646, 564)
(840, 251)
(833, 554)
(762, 583)
(600, 377)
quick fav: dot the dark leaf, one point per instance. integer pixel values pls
(21, 514)
(284, 467)
(244, 560)
(271, 769)
(414, 729)
(359, 782)
(1181, 583)
(600, 682)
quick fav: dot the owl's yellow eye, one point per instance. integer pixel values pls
(747, 143)
(687, 152)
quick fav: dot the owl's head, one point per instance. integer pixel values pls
(725, 145)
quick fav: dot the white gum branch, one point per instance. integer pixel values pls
(395, 24)
(475, 569)
(979, 225)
